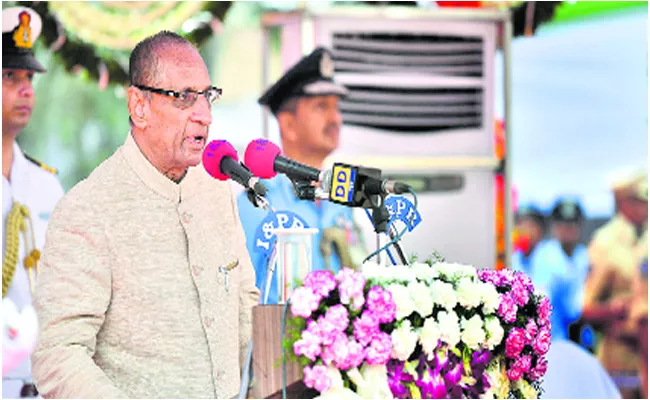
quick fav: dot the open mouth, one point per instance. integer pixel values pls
(198, 139)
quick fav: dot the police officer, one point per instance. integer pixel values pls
(617, 252)
(567, 218)
(30, 189)
(305, 102)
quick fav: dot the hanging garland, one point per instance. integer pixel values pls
(99, 35)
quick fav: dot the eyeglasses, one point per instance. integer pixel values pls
(188, 97)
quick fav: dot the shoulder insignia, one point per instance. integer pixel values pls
(43, 166)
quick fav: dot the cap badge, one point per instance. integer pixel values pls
(23, 34)
(326, 66)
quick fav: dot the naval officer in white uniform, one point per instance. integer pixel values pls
(30, 189)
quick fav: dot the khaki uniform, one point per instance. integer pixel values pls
(616, 254)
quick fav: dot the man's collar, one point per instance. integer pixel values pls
(149, 175)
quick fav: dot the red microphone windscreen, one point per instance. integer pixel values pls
(260, 156)
(213, 153)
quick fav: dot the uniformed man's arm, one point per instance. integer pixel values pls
(71, 299)
(597, 307)
(248, 293)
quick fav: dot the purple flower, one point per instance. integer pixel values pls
(378, 353)
(544, 311)
(453, 376)
(321, 282)
(397, 378)
(543, 341)
(506, 276)
(338, 316)
(531, 330)
(539, 370)
(309, 343)
(303, 302)
(441, 359)
(431, 385)
(515, 342)
(351, 285)
(481, 358)
(525, 281)
(519, 292)
(381, 303)
(328, 331)
(317, 378)
(366, 327)
(489, 276)
(507, 308)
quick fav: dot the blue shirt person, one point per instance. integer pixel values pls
(567, 217)
(546, 267)
(305, 102)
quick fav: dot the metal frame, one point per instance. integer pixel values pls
(306, 16)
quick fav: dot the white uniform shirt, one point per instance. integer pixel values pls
(38, 190)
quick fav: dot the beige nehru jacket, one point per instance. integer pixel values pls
(130, 300)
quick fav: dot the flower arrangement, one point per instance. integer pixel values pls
(438, 330)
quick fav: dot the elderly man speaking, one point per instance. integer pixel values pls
(147, 288)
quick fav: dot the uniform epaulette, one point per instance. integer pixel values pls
(43, 166)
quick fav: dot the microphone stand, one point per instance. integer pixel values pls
(380, 218)
(258, 201)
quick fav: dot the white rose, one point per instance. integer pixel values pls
(489, 297)
(429, 336)
(494, 332)
(443, 294)
(469, 294)
(424, 272)
(404, 340)
(403, 303)
(421, 296)
(449, 327)
(473, 334)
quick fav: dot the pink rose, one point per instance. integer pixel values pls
(542, 342)
(309, 344)
(328, 331)
(515, 342)
(338, 316)
(514, 373)
(523, 363)
(366, 327)
(531, 330)
(378, 353)
(539, 370)
(507, 308)
(519, 292)
(351, 286)
(303, 302)
(380, 302)
(544, 311)
(321, 282)
(317, 378)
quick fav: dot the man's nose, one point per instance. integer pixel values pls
(202, 113)
(336, 117)
(26, 89)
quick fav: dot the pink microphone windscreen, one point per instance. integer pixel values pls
(260, 156)
(213, 153)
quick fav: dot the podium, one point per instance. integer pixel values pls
(267, 358)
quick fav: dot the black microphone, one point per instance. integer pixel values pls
(265, 160)
(220, 160)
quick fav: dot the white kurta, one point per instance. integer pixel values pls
(131, 301)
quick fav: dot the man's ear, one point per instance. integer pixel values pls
(286, 122)
(138, 107)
